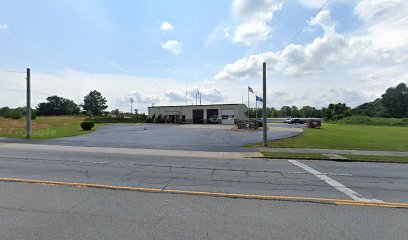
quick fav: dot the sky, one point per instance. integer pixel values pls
(350, 51)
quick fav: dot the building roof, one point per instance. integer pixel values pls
(202, 105)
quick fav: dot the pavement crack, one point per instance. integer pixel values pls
(167, 184)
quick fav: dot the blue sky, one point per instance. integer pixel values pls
(351, 52)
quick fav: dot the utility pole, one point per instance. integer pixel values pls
(264, 123)
(28, 105)
(200, 98)
(131, 104)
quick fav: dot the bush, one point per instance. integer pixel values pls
(87, 125)
(110, 119)
(260, 124)
(371, 121)
(156, 120)
(33, 114)
(149, 120)
(16, 113)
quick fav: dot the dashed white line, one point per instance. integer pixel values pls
(349, 192)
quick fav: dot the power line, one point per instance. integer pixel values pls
(299, 33)
(11, 71)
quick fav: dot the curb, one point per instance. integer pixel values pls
(335, 160)
(217, 194)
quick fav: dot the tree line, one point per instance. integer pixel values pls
(392, 104)
(94, 105)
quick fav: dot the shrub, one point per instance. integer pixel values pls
(156, 120)
(149, 120)
(87, 125)
(33, 114)
(371, 121)
(260, 124)
(110, 119)
(16, 113)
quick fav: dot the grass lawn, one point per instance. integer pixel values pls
(351, 157)
(336, 136)
(44, 127)
(377, 158)
(295, 155)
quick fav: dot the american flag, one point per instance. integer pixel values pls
(250, 89)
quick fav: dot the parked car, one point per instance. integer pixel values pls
(296, 120)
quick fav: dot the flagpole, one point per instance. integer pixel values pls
(248, 103)
(256, 108)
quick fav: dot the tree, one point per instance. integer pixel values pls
(286, 111)
(371, 109)
(95, 103)
(310, 112)
(336, 111)
(57, 106)
(395, 100)
(4, 110)
(295, 112)
(272, 112)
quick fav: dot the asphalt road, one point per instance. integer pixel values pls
(172, 137)
(379, 181)
(43, 212)
(37, 211)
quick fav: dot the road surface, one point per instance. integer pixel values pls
(173, 137)
(56, 212)
(38, 211)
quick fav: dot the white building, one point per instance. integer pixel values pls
(216, 113)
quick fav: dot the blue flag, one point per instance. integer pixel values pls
(259, 99)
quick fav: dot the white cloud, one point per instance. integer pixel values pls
(208, 95)
(3, 27)
(75, 85)
(256, 16)
(351, 67)
(386, 25)
(252, 32)
(311, 3)
(172, 45)
(368, 9)
(299, 60)
(285, 96)
(166, 26)
(141, 101)
(318, 3)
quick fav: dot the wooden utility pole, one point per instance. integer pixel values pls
(264, 123)
(28, 105)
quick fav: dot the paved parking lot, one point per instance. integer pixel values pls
(175, 137)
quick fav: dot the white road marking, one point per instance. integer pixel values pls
(349, 192)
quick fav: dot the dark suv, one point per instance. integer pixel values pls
(296, 120)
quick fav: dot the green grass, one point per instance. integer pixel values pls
(295, 155)
(44, 127)
(373, 121)
(351, 157)
(337, 136)
(370, 158)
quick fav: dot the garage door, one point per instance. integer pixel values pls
(227, 116)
